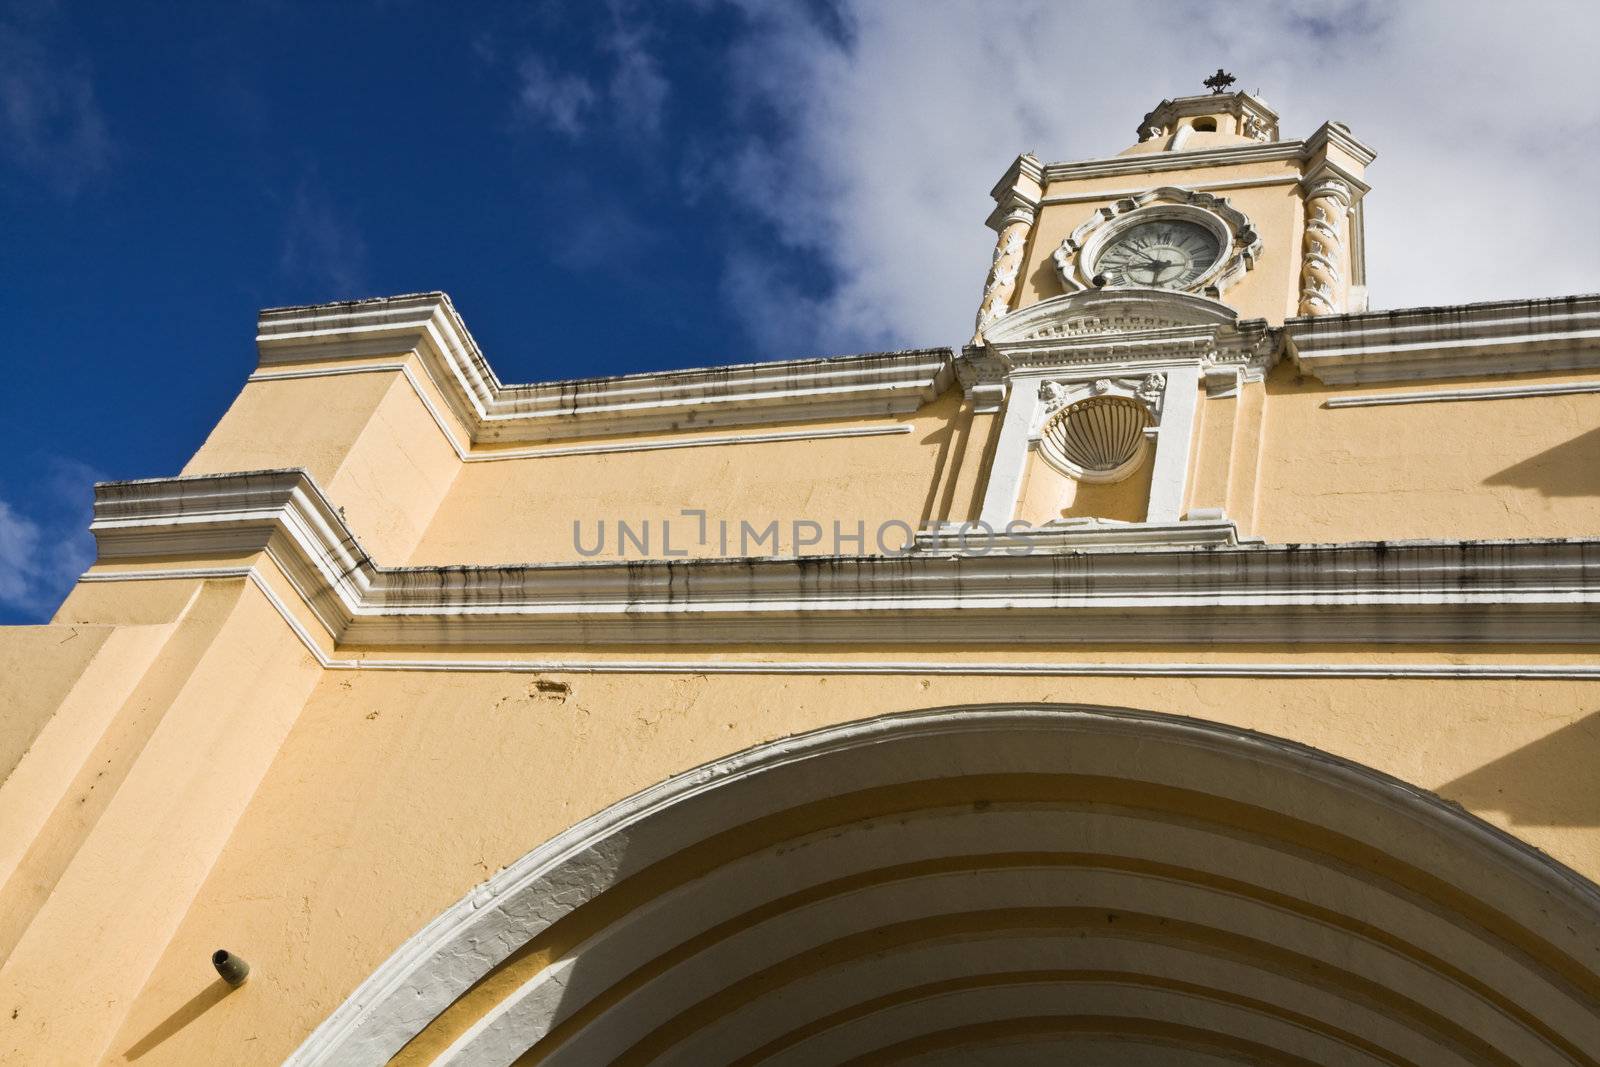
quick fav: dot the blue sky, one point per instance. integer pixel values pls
(607, 187)
(164, 178)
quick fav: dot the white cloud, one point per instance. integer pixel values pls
(886, 137)
(638, 90)
(50, 122)
(560, 101)
(20, 558)
(777, 311)
(322, 246)
(45, 547)
(631, 97)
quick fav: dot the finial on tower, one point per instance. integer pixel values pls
(1218, 83)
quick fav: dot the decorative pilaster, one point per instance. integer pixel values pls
(1016, 206)
(1322, 281)
(1169, 476)
(1015, 225)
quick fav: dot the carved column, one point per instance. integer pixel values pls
(1322, 283)
(1008, 248)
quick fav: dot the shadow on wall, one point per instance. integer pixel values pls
(1547, 783)
(944, 437)
(1568, 469)
(195, 1007)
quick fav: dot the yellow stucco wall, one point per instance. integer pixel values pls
(154, 794)
(1512, 467)
(393, 794)
(1279, 462)
(523, 509)
(1048, 495)
(296, 422)
(38, 666)
(368, 439)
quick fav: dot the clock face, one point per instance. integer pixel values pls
(1168, 253)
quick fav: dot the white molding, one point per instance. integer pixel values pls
(170, 574)
(703, 442)
(932, 667)
(1453, 593)
(749, 394)
(1229, 156)
(1009, 463)
(1013, 193)
(1188, 187)
(1156, 162)
(987, 398)
(1084, 532)
(463, 452)
(1339, 136)
(1442, 396)
(467, 456)
(1221, 382)
(1119, 332)
(1463, 341)
(1169, 480)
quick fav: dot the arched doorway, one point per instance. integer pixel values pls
(1010, 885)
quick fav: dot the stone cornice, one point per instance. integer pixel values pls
(1338, 135)
(1325, 169)
(1462, 341)
(1397, 592)
(1124, 330)
(1068, 535)
(1230, 156)
(1017, 189)
(1151, 162)
(750, 394)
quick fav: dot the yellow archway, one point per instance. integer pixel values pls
(1021, 883)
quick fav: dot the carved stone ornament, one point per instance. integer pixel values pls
(1236, 237)
(1097, 430)
(1115, 333)
(1323, 249)
(1055, 395)
(1015, 222)
(1151, 389)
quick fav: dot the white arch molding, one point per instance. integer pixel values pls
(1007, 884)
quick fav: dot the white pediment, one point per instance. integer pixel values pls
(1126, 331)
(1096, 313)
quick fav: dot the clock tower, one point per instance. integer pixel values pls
(1129, 315)
(1270, 227)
